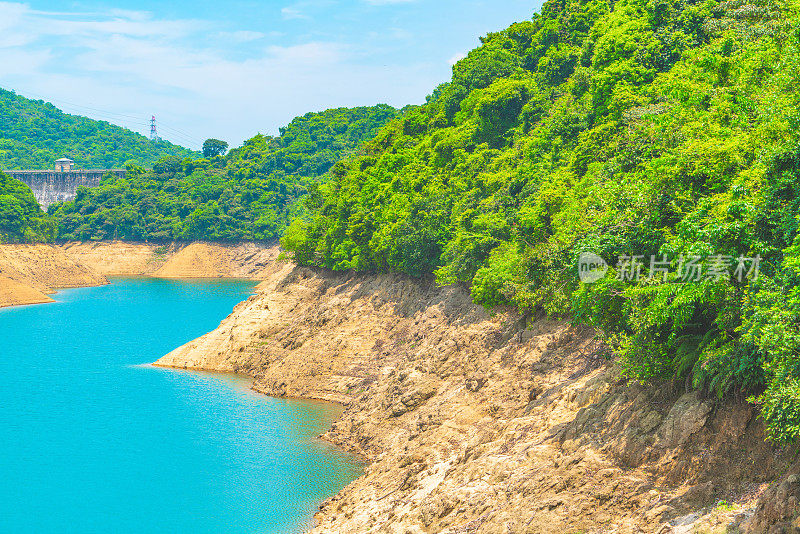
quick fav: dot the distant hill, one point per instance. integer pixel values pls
(250, 193)
(34, 133)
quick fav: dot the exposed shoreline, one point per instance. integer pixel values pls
(469, 422)
(29, 273)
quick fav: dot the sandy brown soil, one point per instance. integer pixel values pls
(471, 422)
(28, 273)
(15, 293)
(174, 260)
(206, 260)
(118, 258)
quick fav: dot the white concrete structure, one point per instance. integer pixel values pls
(64, 165)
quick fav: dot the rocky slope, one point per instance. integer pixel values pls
(470, 422)
(28, 273)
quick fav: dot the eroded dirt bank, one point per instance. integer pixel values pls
(174, 260)
(472, 423)
(29, 273)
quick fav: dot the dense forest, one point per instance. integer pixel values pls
(33, 134)
(249, 193)
(658, 135)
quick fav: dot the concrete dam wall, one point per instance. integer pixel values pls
(50, 187)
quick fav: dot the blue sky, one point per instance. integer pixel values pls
(231, 69)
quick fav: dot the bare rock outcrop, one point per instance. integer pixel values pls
(778, 508)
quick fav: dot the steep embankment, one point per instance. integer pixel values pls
(118, 258)
(28, 273)
(471, 423)
(174, 260)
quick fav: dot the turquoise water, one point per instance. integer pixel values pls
(92, 441)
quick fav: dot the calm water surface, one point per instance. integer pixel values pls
(92, 441)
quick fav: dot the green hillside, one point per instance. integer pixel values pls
(34, 133)
(250, 193)
(635, 129)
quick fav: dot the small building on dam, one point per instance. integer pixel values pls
(61, 184)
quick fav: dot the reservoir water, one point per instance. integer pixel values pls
(92, 440)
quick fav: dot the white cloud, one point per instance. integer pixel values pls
(242, 36)
(305, 8)
(22, 62)
(132, 65)
(131, 14)
(291, 12)
(11, 13)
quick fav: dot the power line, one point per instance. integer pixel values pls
(81, 106)
(102, 115)
(111, 116)
(181, 132)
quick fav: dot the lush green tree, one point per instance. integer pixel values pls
(214, 147)
(21, 219)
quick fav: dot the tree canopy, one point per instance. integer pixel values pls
(658, 135)
(636, 129)
(214, 147)
(249, 194)
(21, 219)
